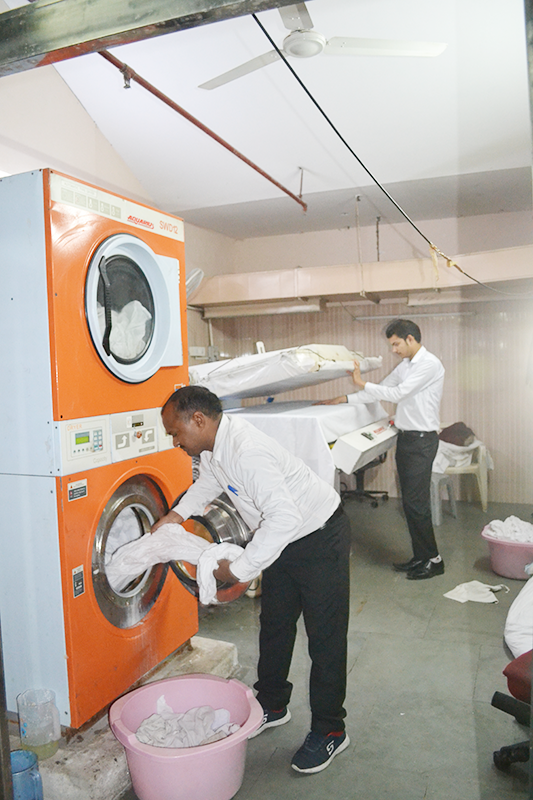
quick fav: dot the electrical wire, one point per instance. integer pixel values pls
(434, 251)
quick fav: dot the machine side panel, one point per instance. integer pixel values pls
(31, 603)
(25, 398)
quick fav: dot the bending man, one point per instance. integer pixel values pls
(301, 545)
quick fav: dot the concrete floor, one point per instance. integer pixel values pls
(422, 671)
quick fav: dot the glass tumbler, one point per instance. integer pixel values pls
(39, 726)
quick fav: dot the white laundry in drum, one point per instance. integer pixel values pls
(128, 329)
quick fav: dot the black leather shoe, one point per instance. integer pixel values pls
(427, 570)
(407, 565)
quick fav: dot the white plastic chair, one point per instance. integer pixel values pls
(479, 469)
(439, 480)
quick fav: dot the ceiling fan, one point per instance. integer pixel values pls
(304, 42)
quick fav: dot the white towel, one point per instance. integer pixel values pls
(170, 542)
(201, 725)
(476, 591)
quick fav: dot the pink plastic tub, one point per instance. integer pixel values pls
(208, 772)
(509, 558)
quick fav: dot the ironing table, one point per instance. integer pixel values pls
(308, 431)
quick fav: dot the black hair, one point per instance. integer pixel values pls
(402, 328)
(189, 399)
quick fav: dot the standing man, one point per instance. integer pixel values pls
(301, 544)
(416, 386)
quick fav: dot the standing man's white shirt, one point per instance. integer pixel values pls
(416, 386)
(276, 494)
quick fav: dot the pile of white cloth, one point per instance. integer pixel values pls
(171, 542)
(518, 631)
(201, 725)
(454, 455)
(512, 529)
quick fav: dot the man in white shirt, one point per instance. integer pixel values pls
(416, 386)
(301, 544)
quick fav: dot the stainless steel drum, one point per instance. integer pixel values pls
(133, 508)
(219, 523)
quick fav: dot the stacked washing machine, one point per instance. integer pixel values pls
(93, 329)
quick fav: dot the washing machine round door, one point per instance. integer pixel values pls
(129, 514)
(219, 523)
(132, 308)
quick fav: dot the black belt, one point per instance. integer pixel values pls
(420, 434)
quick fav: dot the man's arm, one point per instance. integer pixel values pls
(195, 499)
(393, 389)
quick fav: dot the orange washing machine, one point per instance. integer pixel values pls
(93, 323)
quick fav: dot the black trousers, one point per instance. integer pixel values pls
(415, 453)
(311, 576)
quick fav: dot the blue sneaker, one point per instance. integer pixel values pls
(271, 719)
(318, 751)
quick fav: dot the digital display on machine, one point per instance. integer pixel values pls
(82, 438)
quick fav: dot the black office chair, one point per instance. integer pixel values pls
(360, 493)
(518, 705)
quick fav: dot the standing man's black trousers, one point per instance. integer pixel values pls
(311, 576)
(415, 453)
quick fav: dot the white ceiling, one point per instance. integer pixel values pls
(448, 136)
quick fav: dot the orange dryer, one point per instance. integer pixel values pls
(93, 320)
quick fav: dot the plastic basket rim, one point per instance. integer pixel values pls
(166, 753)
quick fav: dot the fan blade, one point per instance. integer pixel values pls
(296, 17)
(349, 46)
(240, 71)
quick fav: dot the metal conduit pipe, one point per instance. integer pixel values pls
(131, 75)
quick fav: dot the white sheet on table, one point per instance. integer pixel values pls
(266, 374)
(306, 430)
(200, 725)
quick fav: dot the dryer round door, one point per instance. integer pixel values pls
(132, 308)
(128, 515)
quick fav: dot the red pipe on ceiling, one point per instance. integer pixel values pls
(129, 74)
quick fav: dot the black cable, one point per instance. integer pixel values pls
(341, 137)
(354, 154)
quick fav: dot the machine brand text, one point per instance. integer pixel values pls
(138, 221)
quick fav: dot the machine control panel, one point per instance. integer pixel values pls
(84, 444)
(352, 451)
(134, 433)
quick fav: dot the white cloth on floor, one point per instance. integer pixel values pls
(512, 529)
(454, 455)
(171, 542)
(200, 725)
(476, 591)
(518, 631)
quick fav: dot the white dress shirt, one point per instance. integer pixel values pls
(416, 386)
(276, 494)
